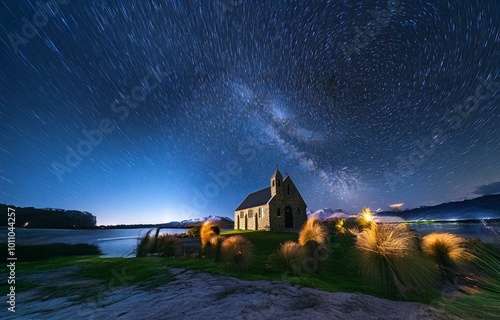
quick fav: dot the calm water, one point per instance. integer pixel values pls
(122, 242)
(112, 242)
(486, 232)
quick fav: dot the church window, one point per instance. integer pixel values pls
(242, 214)
(250, 213)
(278, 213)
(261, 212)
(273, 182)
(288, 189)
(278, 182)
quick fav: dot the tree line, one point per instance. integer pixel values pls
(48, 218)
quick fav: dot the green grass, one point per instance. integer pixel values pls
(338, 273)
(482, 305)
(231, 232)
(122, 271)
(47, 251)
(147, 273)
(485, 303)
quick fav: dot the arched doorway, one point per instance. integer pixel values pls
(246, 222)
(288, 217)
(256, 222)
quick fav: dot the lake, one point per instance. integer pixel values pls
(112, 242)
(122, 242)
(485, 231)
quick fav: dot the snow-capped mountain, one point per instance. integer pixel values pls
(223, 222)
(485, 207)
(328, 214)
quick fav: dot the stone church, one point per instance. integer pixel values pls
(278, 207)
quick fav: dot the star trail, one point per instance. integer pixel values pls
(152, 111)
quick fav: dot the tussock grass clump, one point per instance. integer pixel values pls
(209, 246)
(145, 246)
(214, 249)
(236, 251)
(340, 228)
(290, 256)
(313, 231)
(314, 238)
(447, 250)
(167, 245)
(194, 231)
(366, 218)
(389, 257)
(208, 230)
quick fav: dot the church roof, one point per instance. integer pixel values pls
(256, 198)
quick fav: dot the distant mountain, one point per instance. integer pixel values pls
(485, 207)
(328, 214)
(223, 222)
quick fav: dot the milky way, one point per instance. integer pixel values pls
(151, 111)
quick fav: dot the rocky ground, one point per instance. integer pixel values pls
(195, 295)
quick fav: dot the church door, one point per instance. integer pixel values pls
(288, 217)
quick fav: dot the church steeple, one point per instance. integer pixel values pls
(276, 182)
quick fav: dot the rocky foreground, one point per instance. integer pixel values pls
(195, 295)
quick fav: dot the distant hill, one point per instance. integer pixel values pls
(48, 218)
(485, 207)
(223, 222)
(329, 214)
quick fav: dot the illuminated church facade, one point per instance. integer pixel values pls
(279, 207)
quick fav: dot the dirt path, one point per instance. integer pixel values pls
(196, 295)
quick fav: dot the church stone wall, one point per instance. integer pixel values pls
(251, 219)
(298, 211)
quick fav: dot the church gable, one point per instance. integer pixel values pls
(290, 190)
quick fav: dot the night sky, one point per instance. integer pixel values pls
(152, 111)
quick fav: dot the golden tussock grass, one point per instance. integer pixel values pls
(340, 227)
(208, 230)
(447, 250)
(236, 251)
(314, 238)
(313, 231)
(389, 257)
(291, 255)
(388, 240)
(366, 219)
